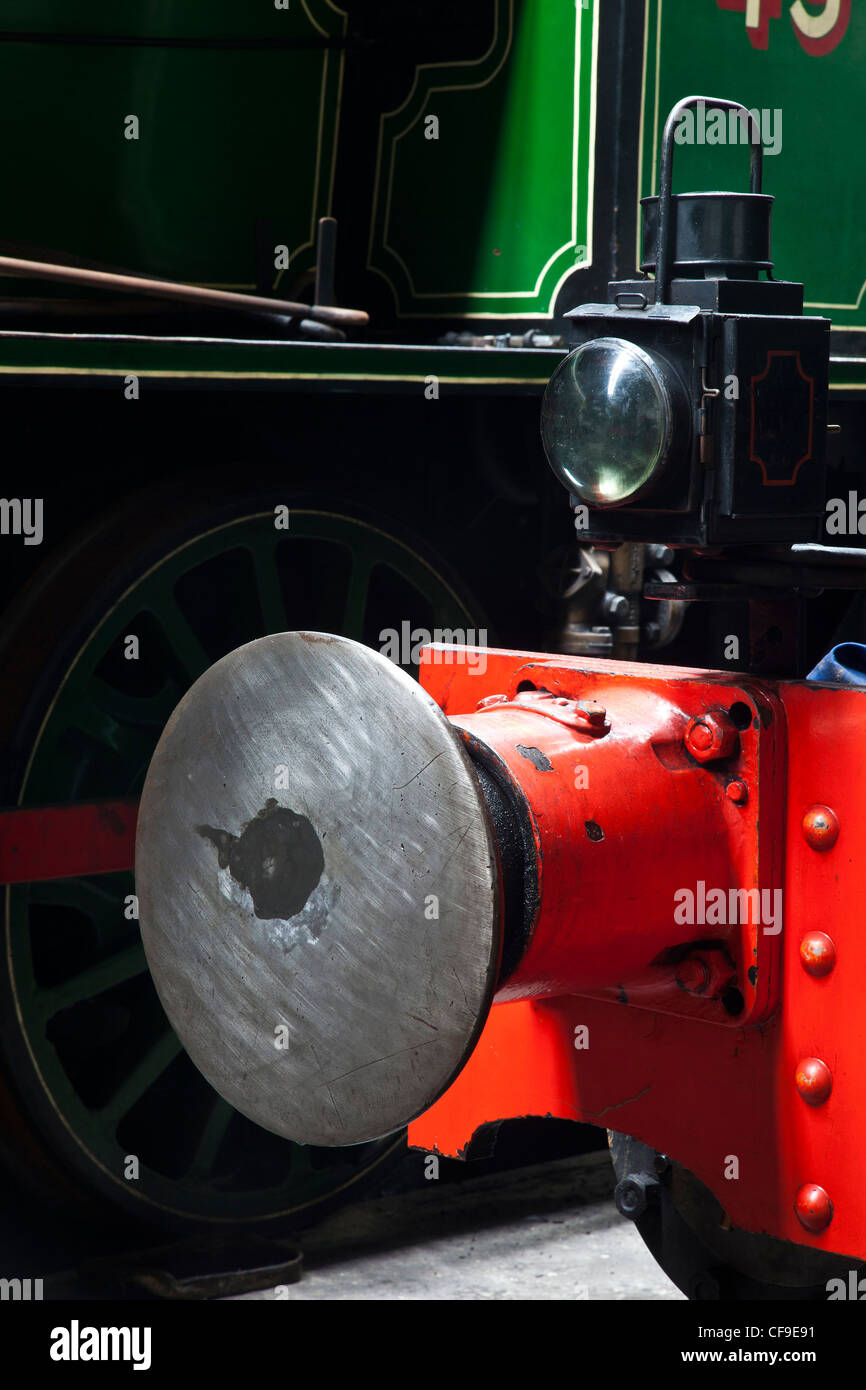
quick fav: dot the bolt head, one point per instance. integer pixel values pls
(737, 792)
(711, 736)
(704, 1287)
(693, 975)
(617, 606)
(814, 1080)
(659, 554)
(821, 827)
(817, 953)
(592, 712)
(813, 1207)
(634, 1194)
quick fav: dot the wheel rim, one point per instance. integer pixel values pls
(103, 1068)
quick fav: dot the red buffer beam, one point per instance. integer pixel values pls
(46, 842)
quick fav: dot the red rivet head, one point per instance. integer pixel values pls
(813, 1207)
(737, 792)
(821, 827)
(817, 953)
(814, 1080)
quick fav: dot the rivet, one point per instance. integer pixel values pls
(813, 1207)
(821, 827)
(737, 792)
(817, 953)
(814, 1080)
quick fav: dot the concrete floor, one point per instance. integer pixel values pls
(545, 1232)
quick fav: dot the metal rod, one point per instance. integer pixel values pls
(172, 289)
(325, 257)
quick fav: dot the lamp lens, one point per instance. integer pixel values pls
(606, 421)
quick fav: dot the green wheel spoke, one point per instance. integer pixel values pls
(268, 589)
(129, 743)
(181, 638)
(124, 965)
(356, 598)
(154, 1062)
(211, 1138)
(444, 620)
(301, 1164)
(152, 710)
(96, 900)
(100, 901)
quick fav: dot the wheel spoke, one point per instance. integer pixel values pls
(128, 743)
(356, 598)
(300, 1159)
(212, 1136)
(154, 1062)
(152, 710)
(180, 636)
(123, 965)
(95, 900)
(268, 589)
(443, 619)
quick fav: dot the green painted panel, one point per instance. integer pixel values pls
(813, 99)
(221, 154)
(518, 124)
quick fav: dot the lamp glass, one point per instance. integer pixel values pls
(606, 421)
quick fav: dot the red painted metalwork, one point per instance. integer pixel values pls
(592, 747)
(67, 841)
(719, 1092)
(614, 1015)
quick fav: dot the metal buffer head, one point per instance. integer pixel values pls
(319, 888)
(336, 881)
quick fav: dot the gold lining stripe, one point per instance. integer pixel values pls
(279, 376)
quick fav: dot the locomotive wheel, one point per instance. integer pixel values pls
(92, 1072)
(684, 1229)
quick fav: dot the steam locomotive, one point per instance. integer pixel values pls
(402, 420)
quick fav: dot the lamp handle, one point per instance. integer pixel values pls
(666, 175)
